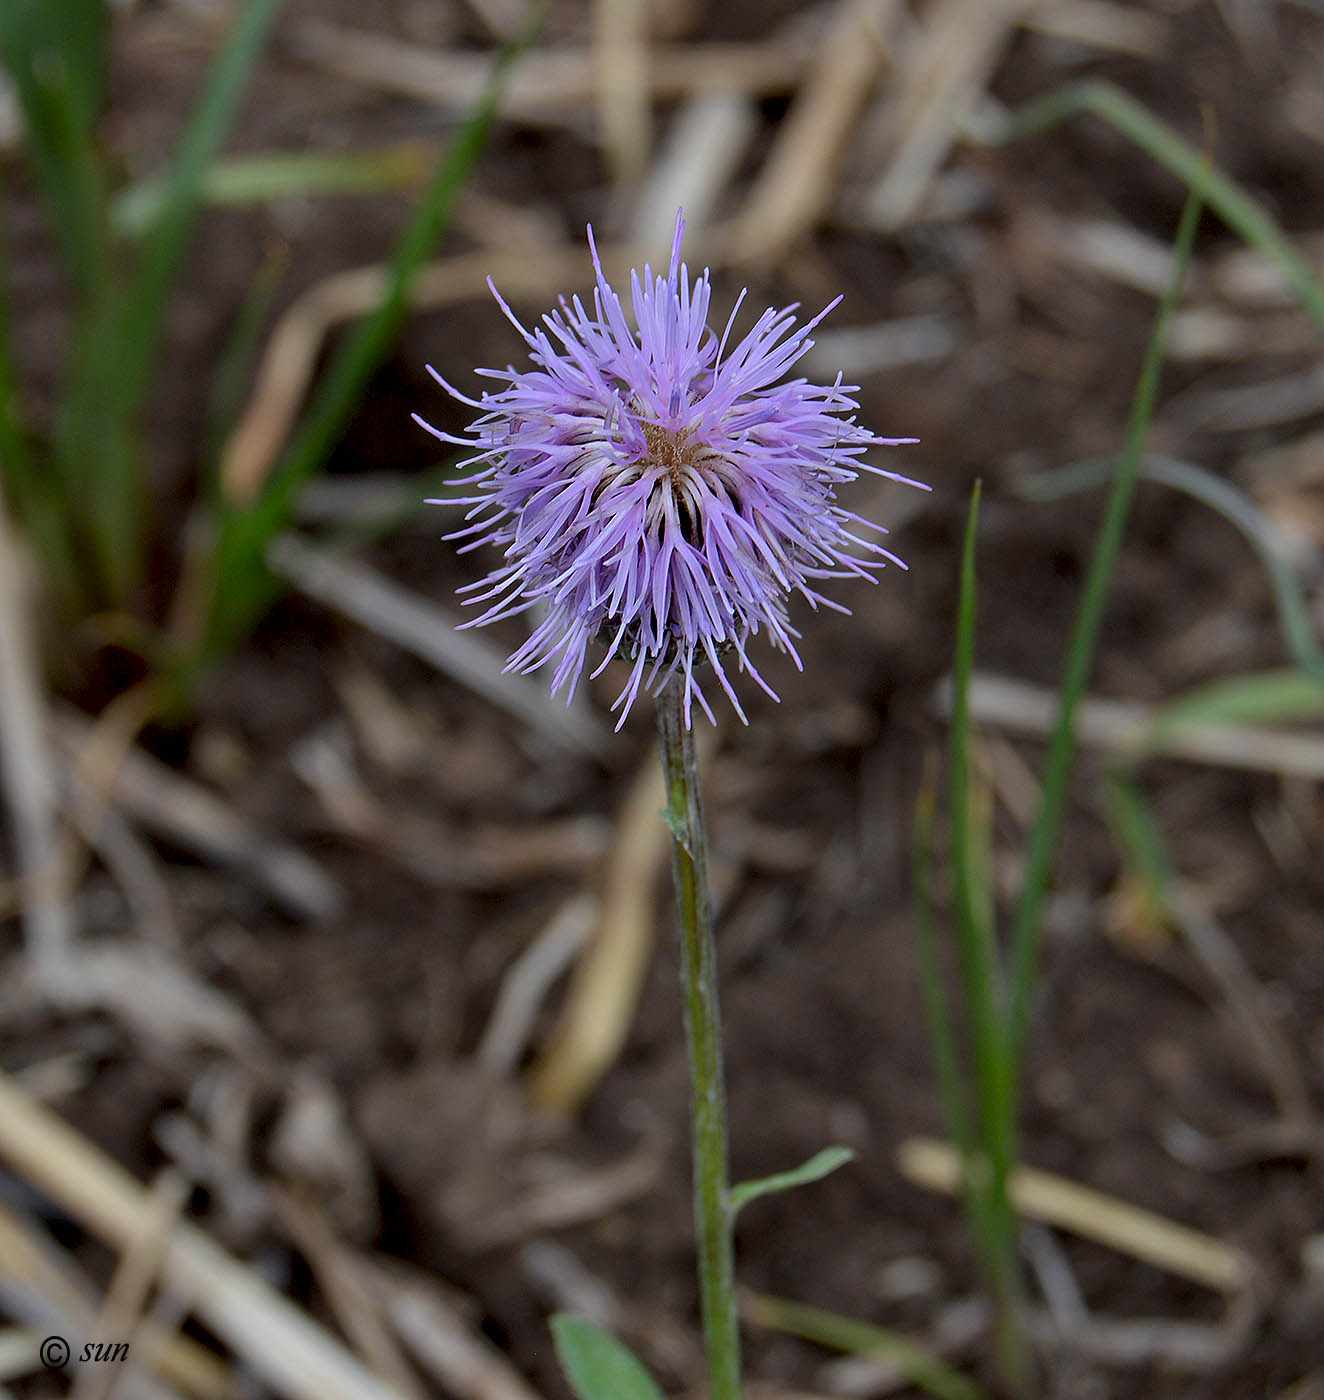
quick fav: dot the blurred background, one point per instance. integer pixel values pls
(338, 966)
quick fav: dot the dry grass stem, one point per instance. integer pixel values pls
(1068, 1324)
(131, 863)
(454, 1353)
(886, 345)
(122, 1310)
(288, 362)
(152, 995)
(339, 1273)
(40, 1283)
(1099, 247)
(528, 980)
(579, 1198)
(1249, 1006)
(1001, 702)
(284, 1347)
(609, 975)
(620, 62)
(56, 1294)
(392, 734)
(481, 858)
(940, 81)
(1215, 333)
(181, 811)
(1102, 25)
(1008, 776)
(1039, 1195)
(704, 144)
(27, 770)
(429, 632)
(564, 1281)
(1287, 398)
(1249, 279)
(798, 179)
(20, 1355)
(549, 85)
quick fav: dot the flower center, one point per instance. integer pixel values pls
(682, 464)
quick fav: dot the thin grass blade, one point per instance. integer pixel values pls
(846, 1334)
(54, 51)
(942, 1033)
(1144, 850)
(95, 439)
(988, 1169)
(241, 586)
(163, 249)
(1235, 506)
(1042, 843)
(1223, 195)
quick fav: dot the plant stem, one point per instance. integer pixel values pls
(987, 1168)
(703, 1033)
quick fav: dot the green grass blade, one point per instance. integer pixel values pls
(1224, 196)
(237, 358)
(242, 588)
(54, 51)
(163, 249)
(18, 467)
(972, 900)
(31, 489)
(95, 441)
(1235, 507)
(989, 1169)
(27, 489)
(1137, 833)
(917, 1363)
(981, 972)
(1042, 843)
(942, 1033)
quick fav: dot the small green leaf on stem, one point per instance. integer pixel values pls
(821, 1164)
(597, 1366)
(677, 826)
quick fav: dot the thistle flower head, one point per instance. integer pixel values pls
(653, 486)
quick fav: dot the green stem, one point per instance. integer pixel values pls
(987, 1171)
(703, 1032)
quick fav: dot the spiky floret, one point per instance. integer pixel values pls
(658, 489)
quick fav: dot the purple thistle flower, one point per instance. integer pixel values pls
(658, 491)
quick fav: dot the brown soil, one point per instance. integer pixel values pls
(811, 806)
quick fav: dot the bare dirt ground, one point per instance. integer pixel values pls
(355, 1110)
